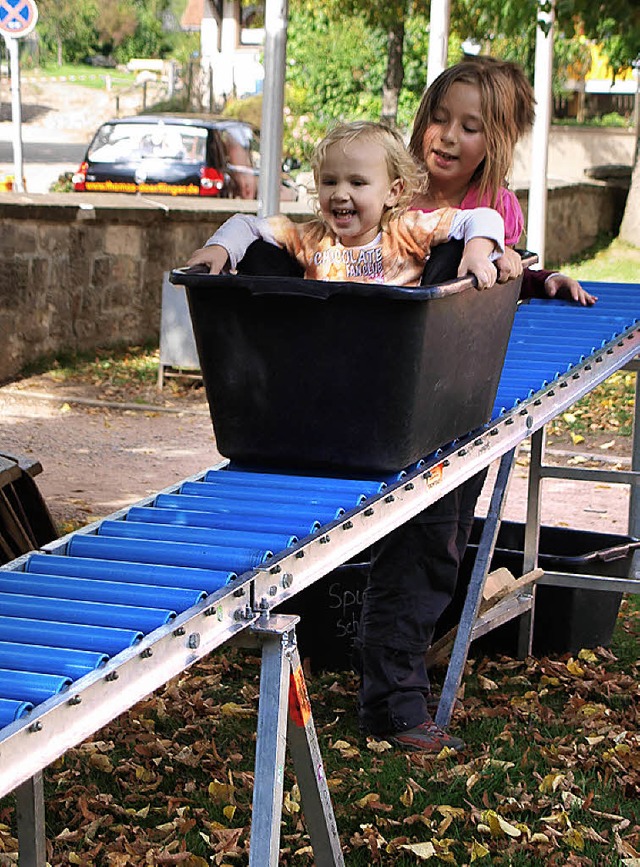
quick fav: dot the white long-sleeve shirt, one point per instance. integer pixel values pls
(396, 256)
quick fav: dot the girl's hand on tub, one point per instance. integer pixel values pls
(213, 256)
(475, 260)
(509, 265)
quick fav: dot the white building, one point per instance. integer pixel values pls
(231, 40)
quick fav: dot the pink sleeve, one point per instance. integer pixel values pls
(507, 206)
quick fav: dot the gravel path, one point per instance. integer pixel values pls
(97, 459)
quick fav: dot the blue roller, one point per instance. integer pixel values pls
(308, 484)
(11, 710)
(188, 518)
(88, 590)
(73, 635)
(220, 506)
(168, 553)
(257, 494)
(50, 660)
(89, 613)
(30, 685)
(196, 535)
(207, 581)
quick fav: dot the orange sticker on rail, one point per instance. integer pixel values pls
(299, 705)
(434, 476)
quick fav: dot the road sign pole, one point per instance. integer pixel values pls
(16, 112)
(17, 19)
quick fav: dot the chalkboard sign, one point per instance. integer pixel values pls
(330, 616)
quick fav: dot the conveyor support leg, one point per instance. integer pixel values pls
(31, 822)
(634, 501)
(532, 536)
(464, 635)
(284, 716)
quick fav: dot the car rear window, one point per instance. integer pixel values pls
(124, 141)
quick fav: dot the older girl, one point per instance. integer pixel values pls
(464, 135)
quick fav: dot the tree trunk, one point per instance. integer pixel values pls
(630, 227)
(394, 74)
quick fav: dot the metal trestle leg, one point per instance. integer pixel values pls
(31, 822)
(468, 619)
(284, 716)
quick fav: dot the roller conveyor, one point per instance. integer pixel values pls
(103, 616)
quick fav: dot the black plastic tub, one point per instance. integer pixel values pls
(345, 376)
(566, 619)
(329, 613)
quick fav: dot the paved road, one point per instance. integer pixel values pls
(45, 152)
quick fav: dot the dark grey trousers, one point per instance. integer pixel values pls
(412, 580)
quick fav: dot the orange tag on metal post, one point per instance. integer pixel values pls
(299, 706)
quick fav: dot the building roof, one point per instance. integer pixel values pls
(193, 14)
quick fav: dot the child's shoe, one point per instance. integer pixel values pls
(426, 737)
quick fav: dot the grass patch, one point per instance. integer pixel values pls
(88, 76)
(609, 408)
(608, 260)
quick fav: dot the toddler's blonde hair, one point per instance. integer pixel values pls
(400, 163)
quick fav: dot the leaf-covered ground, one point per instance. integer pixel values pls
(550, 774)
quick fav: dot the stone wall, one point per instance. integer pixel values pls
(80, 271)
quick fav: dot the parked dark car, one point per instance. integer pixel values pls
(172, 155)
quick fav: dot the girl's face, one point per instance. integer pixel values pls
(453, 145)
(354, 190)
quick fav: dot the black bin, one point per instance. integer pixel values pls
(329, 613)
(302, 374)
(566, 619)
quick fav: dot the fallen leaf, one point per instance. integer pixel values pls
(101, 763)
(231, 708)
(422, 851)
(551, 782)
(575, 669)
(378, 746)
(499, 827)
(478, 851)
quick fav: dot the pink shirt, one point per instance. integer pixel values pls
(507, 206)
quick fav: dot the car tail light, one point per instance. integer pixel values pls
(79, 178)
(211, 181)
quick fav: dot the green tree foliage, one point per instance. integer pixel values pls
(615, 24)
(334, 72)
(148, 39)
(69, 30)
(117, 20)
(66, 29)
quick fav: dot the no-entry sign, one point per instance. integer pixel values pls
(17, 17)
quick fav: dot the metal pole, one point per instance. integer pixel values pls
(536, 218)
(16, 112)
(438, 39)
(275, 50)
(634, 496)
(30, 809)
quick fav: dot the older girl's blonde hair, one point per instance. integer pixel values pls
(507, 104)
(400, 163)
